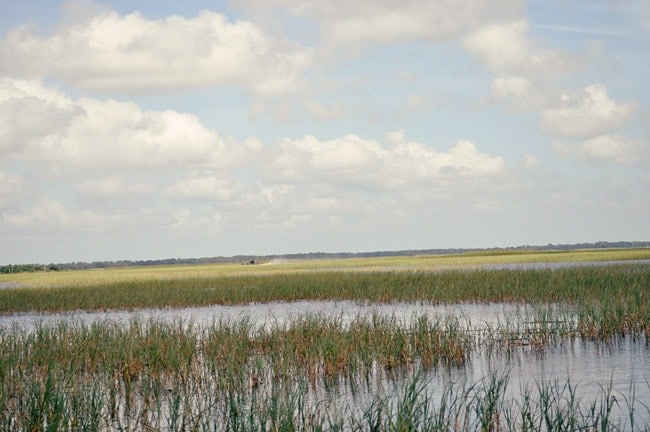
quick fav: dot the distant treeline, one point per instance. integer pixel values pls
(24, 268)
(19, 268)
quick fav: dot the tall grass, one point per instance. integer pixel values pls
(234, 376)
(77, 377)
(424, 263)
(609, 300)
(239, 376)
(625, 283)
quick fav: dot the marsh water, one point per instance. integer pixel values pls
(619, 367)
(470, 315)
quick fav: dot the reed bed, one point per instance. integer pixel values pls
(233, 376)
(286, 376)
(146, 375)
(622, 282)
(609, 300)
(422, 263)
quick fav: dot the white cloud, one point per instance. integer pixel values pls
(327, 205)
(50, 214)
(527, 76)
(345, 24)
(525, 71)
(586, 113)
(131, 54)
(114, 186)
(355, 161)
(32, 116)
(607, 148)
(111, 166)
(511, 86)
(107, 135)
(206, 221)
(14, 189)
(205, 187)
(507, 49)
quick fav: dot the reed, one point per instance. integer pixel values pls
(236, 376)
(283, 376)
(623, 285)
(609, 300)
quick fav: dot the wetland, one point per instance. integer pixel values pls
(500, 343)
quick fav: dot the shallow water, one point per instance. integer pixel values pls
(561, 265)
(469, 315)
(590, 373)
(622, 363)
(4, 285)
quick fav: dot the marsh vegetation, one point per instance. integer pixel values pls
(314, 372)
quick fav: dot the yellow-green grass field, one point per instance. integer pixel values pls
(422, 263)
(436, 279)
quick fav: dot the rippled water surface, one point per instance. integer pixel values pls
(621, 360)
(622, 364)
(265, 314)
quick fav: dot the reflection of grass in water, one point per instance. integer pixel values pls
(233, 376)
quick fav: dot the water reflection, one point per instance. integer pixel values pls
(468, 315)
(561, 265)
(622, 364)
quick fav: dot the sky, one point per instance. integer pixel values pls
(157, 129)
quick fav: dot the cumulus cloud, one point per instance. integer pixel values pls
(14, 189)
(520, 91)
(132, 54)
(345, 24)
(31, 116)
(524, 70)
(586, 113)
(607, 148)
(413, 103)
(113, 186)
(526, 77)
(117, 166)
(205, 187)
(353, 160)
(51, 214)
(530, 161)
(507, 49)
(108, 135)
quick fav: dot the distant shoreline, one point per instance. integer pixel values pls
(4, 269)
